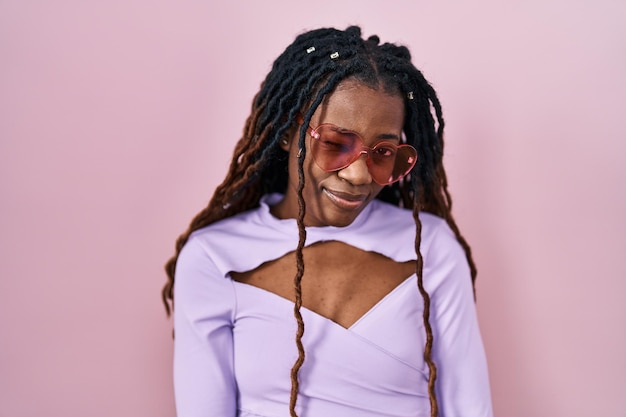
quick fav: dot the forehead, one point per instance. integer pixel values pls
(358, 107)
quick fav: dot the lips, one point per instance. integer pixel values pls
(345, 201)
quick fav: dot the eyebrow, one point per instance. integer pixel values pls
(387, 136)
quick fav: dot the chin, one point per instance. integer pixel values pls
(329, 213)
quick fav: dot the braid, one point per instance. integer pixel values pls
(301, 78)
(298, 292)
(432, 376)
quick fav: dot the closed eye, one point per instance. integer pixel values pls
(338, 141)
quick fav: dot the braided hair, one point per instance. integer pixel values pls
(300, 79)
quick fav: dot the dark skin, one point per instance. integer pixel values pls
(341, 282)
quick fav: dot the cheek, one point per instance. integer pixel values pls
(376, 189)
(312, 173)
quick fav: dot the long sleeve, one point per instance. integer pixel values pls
(462, 381)
(204, 300)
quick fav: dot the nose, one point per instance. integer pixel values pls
(357, 173)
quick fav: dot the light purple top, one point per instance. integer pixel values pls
(235, 343)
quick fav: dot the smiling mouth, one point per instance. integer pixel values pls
(346, 201)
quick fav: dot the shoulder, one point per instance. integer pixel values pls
(389, 221)
(202, 248)
(235, 225)
(244, 241)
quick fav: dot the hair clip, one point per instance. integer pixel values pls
(299, 153)
(311, 49)
(334, 55)
(410, 95)
(226, 206)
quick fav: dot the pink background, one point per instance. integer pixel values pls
(116, 122)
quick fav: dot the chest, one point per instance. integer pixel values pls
(340, 282)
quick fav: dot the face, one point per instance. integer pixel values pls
(336, 198)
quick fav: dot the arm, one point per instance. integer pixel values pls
(204, 382)
(462, 380)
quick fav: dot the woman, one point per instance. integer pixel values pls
(327, 277)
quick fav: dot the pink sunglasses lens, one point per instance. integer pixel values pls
(333, 150)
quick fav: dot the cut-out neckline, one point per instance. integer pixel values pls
(341, 283)
(313, 313)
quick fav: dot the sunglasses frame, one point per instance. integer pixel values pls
(315, 135)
